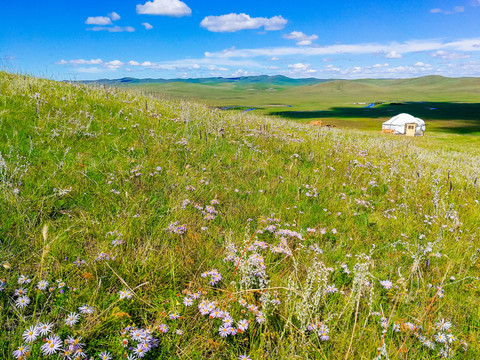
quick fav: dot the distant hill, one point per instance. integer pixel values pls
(277, 80)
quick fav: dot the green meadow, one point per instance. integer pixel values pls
(136, 224)
(450, 106)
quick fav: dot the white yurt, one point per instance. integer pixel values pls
(404, 124)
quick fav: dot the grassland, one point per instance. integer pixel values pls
(450, 106)
(317, 243)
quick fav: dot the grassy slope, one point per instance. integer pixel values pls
(84, 163)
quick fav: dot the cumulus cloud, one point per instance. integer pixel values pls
(456, 9)
(302, 69)
(114, 16)
(98, 20)
(175, 8)
(114, 64)
(301, 38)
(113, 28)
(393, 55)
(236, 22)
(147, 26)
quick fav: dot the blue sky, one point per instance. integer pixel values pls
(77, 40)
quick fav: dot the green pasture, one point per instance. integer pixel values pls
(450, 106)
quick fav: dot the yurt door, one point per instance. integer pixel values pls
(411, 128)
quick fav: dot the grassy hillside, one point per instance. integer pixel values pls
(449, 105)
(135, 225)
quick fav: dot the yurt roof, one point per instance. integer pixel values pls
(404, 118)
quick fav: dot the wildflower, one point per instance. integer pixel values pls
(174, 316)
(140, 351)
(79, 262)
(410, 326)
(72, 319)
(252, 308)
(445, 353)
(242, 302)
(85, 309)
(124, 342)
(179, 332)
(44, 329)
(243, 325)
(216, 314)
(450, 338)
(125, 294)
(260, 318)
(396, 327)
(224, 331)
(228, 321)
(440, 338)
(42, 285)
(387, 284)
(20, 292)
(137, 334)
(30, 334)
(331, 289)
(324, 335)
(52, 344)
(22, 302)
(21, 351)
(244, 357)
(443, 325)
(163, 328)
(24, 279)
(187, 301)
(105, 355)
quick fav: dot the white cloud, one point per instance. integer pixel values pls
(471, 45)
(236, 22)
(456, 9)
(421, 64)
(302, 69)
(196, 66)
(448, 55)
(147, 26)
(133, 63)
(98, 20)
(393, 55)
(76, 62)
(175, 8)
(301, 38)
(114, 16)
(113, 28)
(114, 64)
